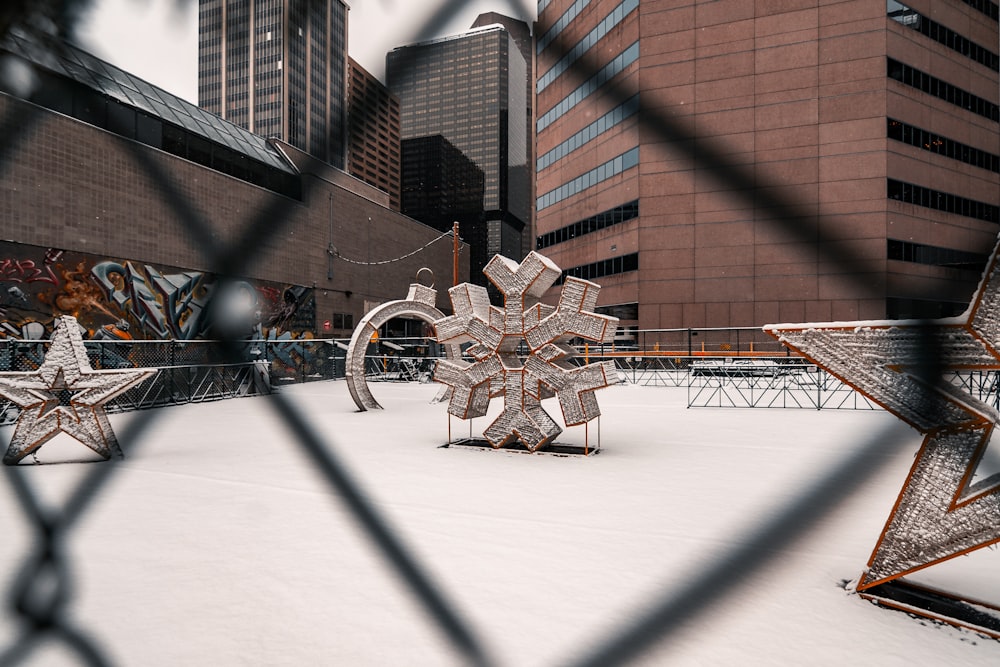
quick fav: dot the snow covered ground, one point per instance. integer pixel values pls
(219, 544)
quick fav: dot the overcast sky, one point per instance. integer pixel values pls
(158, 39)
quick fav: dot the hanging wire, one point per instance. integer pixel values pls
(336, 253)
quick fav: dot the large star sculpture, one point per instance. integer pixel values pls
(907, 368)
(65, 395)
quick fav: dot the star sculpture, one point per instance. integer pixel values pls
(65, 395)
(524, 324)
(905, 367)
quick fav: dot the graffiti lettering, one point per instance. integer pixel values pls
(26, 271)
(290, 351)
(38, 284)
(171, 305)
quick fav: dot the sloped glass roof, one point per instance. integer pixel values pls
(67, 60)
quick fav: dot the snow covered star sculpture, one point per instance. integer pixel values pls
(65, 395)
(906, 367)
(498, 334)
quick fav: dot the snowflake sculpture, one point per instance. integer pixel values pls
(497, 335)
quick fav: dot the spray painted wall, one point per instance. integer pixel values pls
(120, 298)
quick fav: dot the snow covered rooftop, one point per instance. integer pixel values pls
(218, 542)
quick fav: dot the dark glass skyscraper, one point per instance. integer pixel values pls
(440, 184)
(277, 68)
(469, 88)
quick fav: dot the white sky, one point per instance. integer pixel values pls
(158, 39)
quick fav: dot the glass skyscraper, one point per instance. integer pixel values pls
(469, 89)
(277, 68)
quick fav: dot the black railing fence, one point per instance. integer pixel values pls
(734, 367)
(39, 596)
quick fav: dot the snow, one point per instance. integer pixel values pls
(218, 542)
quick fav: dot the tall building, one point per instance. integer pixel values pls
(744, 162)
(469, 88)
(373, 144)
(277, 68)
(521, 32)
(440, 185)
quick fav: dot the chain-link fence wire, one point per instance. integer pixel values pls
(42, 591)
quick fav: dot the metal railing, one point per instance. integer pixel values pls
(732, 371)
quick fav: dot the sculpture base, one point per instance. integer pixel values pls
(553, 448)
(974, 615)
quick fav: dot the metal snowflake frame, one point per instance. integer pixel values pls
(499, 337)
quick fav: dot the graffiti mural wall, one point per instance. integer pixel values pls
(116, 298)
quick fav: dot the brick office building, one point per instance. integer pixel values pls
(93, 158)
(373, 143)
(742, 162)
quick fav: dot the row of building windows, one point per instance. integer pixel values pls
(984, 6)
(611, 168)
(935, 143)
(941, 201)
(941, 89)
(910, 18)
(616, 16)
(608, 72)
(594, 223)
(542, 4)
(918, 253)
(561, 24)
(904, 308)
(598, 127)
(603, 268)
(623, 311)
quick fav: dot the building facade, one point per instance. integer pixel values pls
(744, 162)
(115, 184)
(441, 185)
(279, 69)
(373, 143)
(469, 89)
(521, 33)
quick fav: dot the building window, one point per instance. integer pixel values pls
(935, 143)
(343, 321)
(595, 176)
(609, 120)
(594, 83)
(931, 85)
(606, 267)
(941, 201)
(910, 18)
(616, 16)
(984, 6)
(594, 223)
(918, 253)
(560, 24)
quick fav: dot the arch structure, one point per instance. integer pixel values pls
(418, 304)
